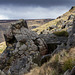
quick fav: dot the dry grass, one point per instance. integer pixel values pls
(45, 26)
(61, 33)
(57, 65)
(2, 46)
(64, 17)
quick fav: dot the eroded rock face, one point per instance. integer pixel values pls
(24, 49)
(71, 38)
(53, 41)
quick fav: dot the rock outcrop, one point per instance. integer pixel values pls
(71, 38)
(24, 49)
(54, 41)
(63, 22)
(4, 24)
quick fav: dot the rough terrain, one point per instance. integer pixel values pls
(62, 23)
(34, 23)
(52, 52)
(24, 49)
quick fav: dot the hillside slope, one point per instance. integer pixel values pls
(63, 22)
(57, 65)
(26, 50)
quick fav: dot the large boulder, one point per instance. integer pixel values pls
(24, 49)
(53, 41)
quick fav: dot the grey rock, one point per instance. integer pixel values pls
(67, 72)
(60, 22)
(71, 38)
(24, 49)
(58, 49)
(72, 71)
(71, 17)
(2, 73)
(18, 45)
(54, 41)
(19, 24)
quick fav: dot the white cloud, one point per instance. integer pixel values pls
(2, 17)
(30, 12)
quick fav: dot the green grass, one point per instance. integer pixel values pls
(64, 17)
(68, 64)
(57, 65)
(61, 33)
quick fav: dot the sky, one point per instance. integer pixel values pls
(34, 9)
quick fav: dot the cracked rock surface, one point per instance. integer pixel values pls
(24, 49)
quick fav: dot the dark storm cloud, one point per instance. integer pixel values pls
(34, 9)
(25, 12)
(38, 2)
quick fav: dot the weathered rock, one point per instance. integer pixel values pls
(71, 17)
(53, 41)
(67, 72)
(59, 49)
(61, 22)
(2, 73)
(19, 24)
(72, 71)
(24, 50)
(71, 38)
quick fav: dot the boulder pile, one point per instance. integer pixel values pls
(24, 49)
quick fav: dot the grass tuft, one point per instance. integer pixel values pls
(61, 33)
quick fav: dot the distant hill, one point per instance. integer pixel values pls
(37, 22)
(34, 23)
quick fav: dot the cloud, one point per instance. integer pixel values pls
(43, 3)
(34, 9)
(2, 17)
(25, 12)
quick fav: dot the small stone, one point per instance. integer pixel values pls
(21, 52)
(67, 72)
(23, 47)
(18, 45)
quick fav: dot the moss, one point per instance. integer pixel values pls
(56, 58)
(68, 64)
(61, 33)
(10, 60)
(21, 43)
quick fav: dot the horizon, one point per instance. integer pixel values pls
(25, 9)
(24, 19)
